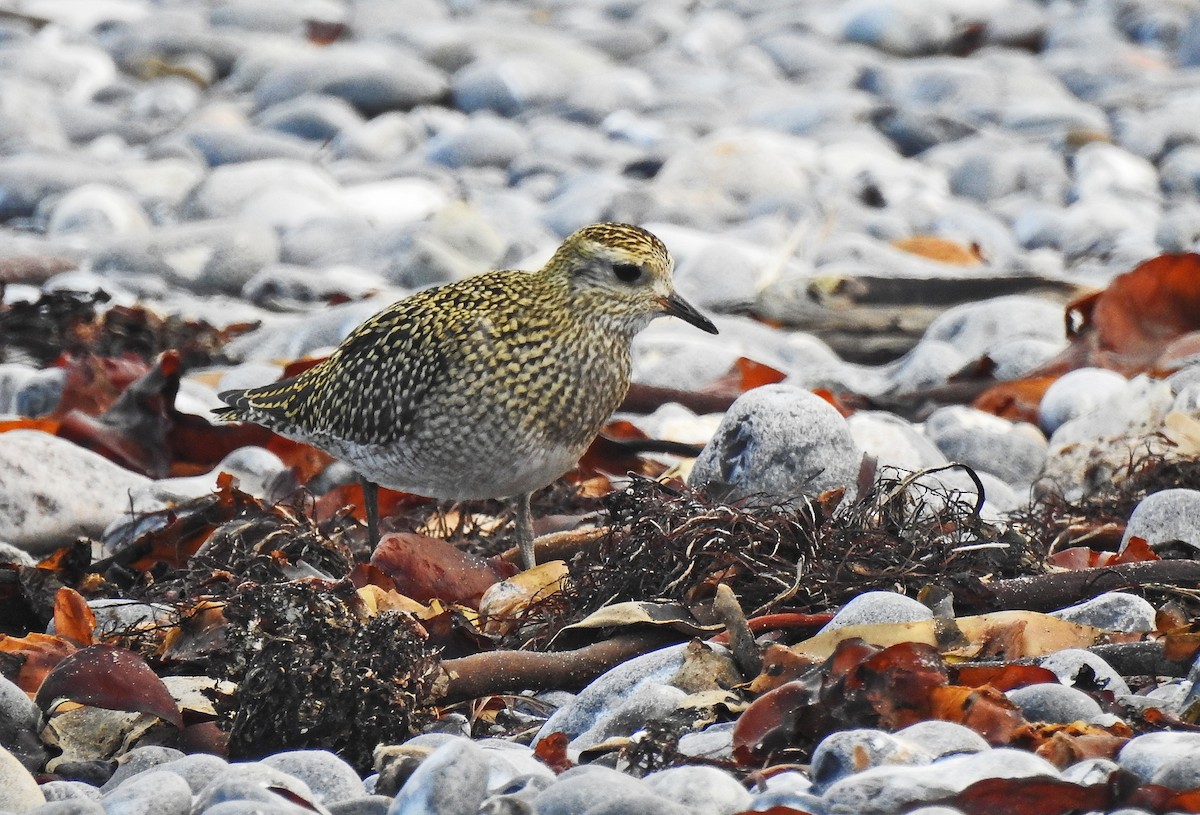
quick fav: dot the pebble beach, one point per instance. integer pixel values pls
(958, 171)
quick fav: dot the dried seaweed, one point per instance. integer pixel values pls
(75, 323)
(314, 671)
(673, 544)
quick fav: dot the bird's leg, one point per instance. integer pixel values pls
(525, 531)
(371, 505)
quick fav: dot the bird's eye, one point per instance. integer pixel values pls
(627, 272)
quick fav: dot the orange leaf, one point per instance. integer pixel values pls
(940, 249)
(1017, 400)
(72, 617)
(38, 654)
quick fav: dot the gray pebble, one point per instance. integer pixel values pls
(581, 787)
(893, 442)
(701, 790)
(452, 780)
(78, 806)
(1147, 754)
(1068, 662)
(1012, 452)
(847, 752)
(943, 739)
(251, 782)
(780, 442)
(363, 805)
(155, 792)
(1054, 703)
(330, 778)
(484, 141)
(140, 759)
(1165, 516)
(877, 607)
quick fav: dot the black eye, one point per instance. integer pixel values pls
(627, 272)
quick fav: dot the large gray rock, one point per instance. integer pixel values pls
(780, 442)
(1167, 515)
(19, 792)
(52, 491)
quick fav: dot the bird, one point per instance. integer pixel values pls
(491, 386)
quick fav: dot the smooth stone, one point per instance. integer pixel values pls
(70, 791)
(484, 141)
(893, 442)
(317, 118)
(1102, 169)
(942, 739)
(702, 790)
(896, 27)
(330, 778)
(928, 364)
(1182, 772)
(255, 469)
(884, 790)
(778, 442)
(96, 210)
(140, 759)
(255, 807)
(1165, 516)
(511, 763)
(223, 145)
(77, 806)
(11, 554)
(1069, 662)
(373, 78)
(585, 717)
(879, 607)
(19, 791)
(1112, 611)
(52, 491)
(300, 335)
(1013, 452)
(288, 287)
(1054, 703)
(1146, 755)
(1078, 393)
(251, 782)
(846, 752)
(644, 804)
(255, 189)
(508, 85)
(581, 787)
(363, 805)
(714, 742)
(17, 710)
(1090, 771)
(452, 780)
(204, 256)
(975, 328)
(197, 769)
(151, 793)
(28, 180)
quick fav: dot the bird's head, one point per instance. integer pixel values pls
(622, 272)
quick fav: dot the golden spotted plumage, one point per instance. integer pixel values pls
(489, 387)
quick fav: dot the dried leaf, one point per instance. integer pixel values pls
(27, 660)
(620, 615)
(109, 677)
(73, 619)
(1034, 795)
(426, 568)
(503, 602)
(940, 249)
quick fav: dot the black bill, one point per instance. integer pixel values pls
(676, 306)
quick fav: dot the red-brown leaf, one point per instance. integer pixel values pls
(109, 677)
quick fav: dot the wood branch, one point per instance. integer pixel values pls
(493, 672)
(1047, 592)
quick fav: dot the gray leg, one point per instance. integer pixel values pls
(525, 531)
(371, 505)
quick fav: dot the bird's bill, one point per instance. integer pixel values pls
(676, 306)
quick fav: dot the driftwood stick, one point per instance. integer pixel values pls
(493, 672)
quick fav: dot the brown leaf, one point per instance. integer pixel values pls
(552, 751)
(1017, 400)
(109, 677)
(426, 568)
(1003, 677)
(1033, 795)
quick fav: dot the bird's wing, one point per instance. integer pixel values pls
(374, 383)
